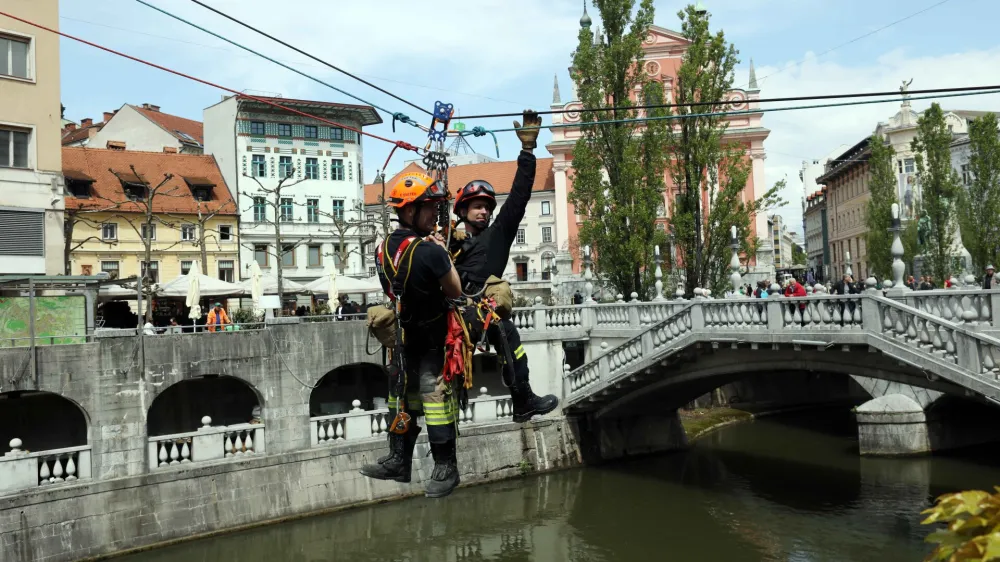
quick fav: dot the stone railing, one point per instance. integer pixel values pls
(486, 409)
(973, 307)
(206, 444)
(20, 469)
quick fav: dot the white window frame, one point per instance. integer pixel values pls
(546, 229)
(519, 237)
(227, 234)
(114, 225)
(189, 264)
(155, 265)
(188, 233)
(117, 269)
(20, 128)
(231, 269)
(546, 208)
(30, 39)
(152, 231)
(319, 255)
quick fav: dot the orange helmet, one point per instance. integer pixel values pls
(415, 187)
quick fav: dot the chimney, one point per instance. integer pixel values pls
(108, 115)
(116, 145)
(151, 107)
(170, 149)
(70, 126)
(86, 122)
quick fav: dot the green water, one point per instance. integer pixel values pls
(788, 488)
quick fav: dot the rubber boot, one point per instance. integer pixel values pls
(398, 464)
(528, 404)
(444, 477)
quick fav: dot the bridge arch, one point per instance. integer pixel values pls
(180, 407)
(42, 421)
(337, 389)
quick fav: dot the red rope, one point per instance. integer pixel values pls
(399, 144)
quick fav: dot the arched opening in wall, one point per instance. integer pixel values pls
(486, 372)
(179, 408)
(365, 382)
(43, 421)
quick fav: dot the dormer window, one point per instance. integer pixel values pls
(133, 186)
(201, 188)
(78, 184)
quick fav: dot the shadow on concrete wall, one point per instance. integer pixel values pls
(179, 408)
(334, 393)
(41, 420)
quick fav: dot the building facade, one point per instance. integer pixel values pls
(31, 198)
(817, 235)
(299, 174)
(106, 213)
(532, 264)
(782, 241)
(146, 128)
(664, 52)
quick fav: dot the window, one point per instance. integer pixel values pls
(14, 148)
(226, 270)
(315, 256)
(78, 188)
(336, 133)
(966, 175)
(225, 232)
(286, 209)
(22, 233)
(336, 256)
(257, 128)
(284, 130)
(546, 267)
(337, 170)
(259, 209)
(285, 169)
(546, 235)
(522, 271)
(111, 268)
(151, 271)
(338, 209)
(186, 266)
(520, 236)
(134, 191)
(14, 57)
(260, 254)
(311, 132)
(312, 169)
(372, 272)
(109, 231)
(258, 167)
(546, 208)
(908, 166)
(148, 232)
(288, 255)
(312, 210)
(202, 194)
(661, 210)
(187, 232)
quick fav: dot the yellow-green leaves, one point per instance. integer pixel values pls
(972, 529)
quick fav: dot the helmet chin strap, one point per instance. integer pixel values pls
(481, 225)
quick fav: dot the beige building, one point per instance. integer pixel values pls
(31, 184)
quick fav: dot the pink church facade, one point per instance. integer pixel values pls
(664, 50)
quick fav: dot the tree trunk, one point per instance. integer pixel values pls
(68, 227)
(204, 249)
(148, 243)
(278, 250)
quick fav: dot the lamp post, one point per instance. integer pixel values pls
(734, 261)
(658, 274)
(588, 276)
(898, 267)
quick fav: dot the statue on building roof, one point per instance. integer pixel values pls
(905, 88)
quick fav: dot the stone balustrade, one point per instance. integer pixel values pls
(486, 409)
(21, 469)
(207, 443)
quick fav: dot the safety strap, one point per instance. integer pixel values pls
(405, 247)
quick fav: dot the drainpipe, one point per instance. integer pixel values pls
(31, 330)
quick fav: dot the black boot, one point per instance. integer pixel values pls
(527, 404)
(398, 463)
(444, 477)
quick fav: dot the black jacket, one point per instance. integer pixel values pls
(480, 256)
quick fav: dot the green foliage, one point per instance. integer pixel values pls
(705, 165)
(979, 206)
(939, 190)
(973, 526)
(878, 219)
(622, 204)
(246, 316)
(799, 257)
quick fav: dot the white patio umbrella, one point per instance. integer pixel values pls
(194, 293)
(331, 291)
(255, 289)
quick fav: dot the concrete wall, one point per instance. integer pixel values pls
(89, 519)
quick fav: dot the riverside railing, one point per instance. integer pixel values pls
(207, 443)
(21, 469)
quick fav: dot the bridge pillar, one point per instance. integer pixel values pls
(605, 438)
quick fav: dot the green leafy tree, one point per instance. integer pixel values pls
(709, 172)
(972, 530)
(799, 257)
(979, 205)
(939, 189)
(619, 166)
(878, 220)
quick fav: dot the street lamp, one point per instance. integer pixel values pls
(734, 261)
(588, 276)
(898, 267)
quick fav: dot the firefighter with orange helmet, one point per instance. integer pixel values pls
(417, 275)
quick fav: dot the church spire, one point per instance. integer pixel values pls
(556, 98)
(753, 77)
(585, 21)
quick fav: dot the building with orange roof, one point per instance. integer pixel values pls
(31, 202)
(146, 128)
(532, 257)
(195, 214)
(664, 52)
(319, 208)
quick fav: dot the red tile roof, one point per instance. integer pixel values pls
(499, 174)
(80, 133)
(175, 195)
(175, 125)
(368, 113)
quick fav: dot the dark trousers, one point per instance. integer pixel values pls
(426, 392)
(493, 336)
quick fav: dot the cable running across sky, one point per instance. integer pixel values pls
(317, 59)
(265, 57)
(400, 144)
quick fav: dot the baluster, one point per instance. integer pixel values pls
(857, 312)
(230, 442)
(797, 314)
(43, 473)
(174, 454)
(925, 337)
(57, 469)
(321, 434)
(374, 425)
(382, 423)
(911, 328)
(185, 453)
(70, 469)
(987, 359)
(249, 441)
(936, 338)
(787, 313)
(806, 317)
(949, 342)
(162, 446)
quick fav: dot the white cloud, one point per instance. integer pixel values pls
(808, 134)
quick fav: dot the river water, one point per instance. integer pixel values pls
(785, 488)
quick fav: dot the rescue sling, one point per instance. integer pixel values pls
(383, 320)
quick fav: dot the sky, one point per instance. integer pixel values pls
(488, 56)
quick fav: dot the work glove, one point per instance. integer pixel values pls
(458, 235)
(528, 136)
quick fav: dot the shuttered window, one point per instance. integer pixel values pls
(22, 233)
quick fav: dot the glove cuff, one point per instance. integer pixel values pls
(529, 144)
